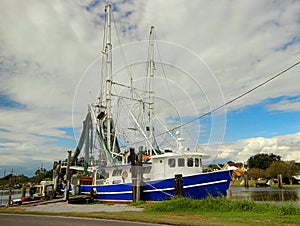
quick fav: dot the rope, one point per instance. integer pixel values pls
(159, 189)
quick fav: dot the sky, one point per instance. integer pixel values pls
(49, 52)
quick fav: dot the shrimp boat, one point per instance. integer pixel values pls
(115, 175)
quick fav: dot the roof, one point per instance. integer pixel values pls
(180, 154)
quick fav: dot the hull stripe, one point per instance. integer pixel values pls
(163, 189)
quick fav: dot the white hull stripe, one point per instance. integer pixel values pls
(156, 189)
(189, 186)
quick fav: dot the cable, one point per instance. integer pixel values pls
(236, 98)
(231, 101)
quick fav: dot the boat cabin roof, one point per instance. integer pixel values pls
(181, 155)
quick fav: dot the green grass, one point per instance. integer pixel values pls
(221, 205)
(185, 211)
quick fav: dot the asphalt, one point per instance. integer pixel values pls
(32, 220)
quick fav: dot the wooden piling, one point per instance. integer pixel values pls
(67, 187)
(10, 191)
(246, 185)
(136, 176)
(133, 173)
(9, 197)
(55, 176)
(23, 191)
(178, 187)
(279, 178)
(229, 194)
(139, 175)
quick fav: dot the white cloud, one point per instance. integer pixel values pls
(46, 46)
(285, 105)
(286, 146)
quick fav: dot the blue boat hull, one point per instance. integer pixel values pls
(197, 187)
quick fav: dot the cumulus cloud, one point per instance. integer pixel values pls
(47, 46)
(286, 146)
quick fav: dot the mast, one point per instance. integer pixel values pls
(108, 53)
(151, 99)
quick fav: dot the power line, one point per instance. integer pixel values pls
(236, 98)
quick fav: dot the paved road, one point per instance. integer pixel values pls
(30, 220)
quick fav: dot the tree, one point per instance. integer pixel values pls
(256, 173)
(22, 179)
(41, 174)
(286, 169)
(262, 161)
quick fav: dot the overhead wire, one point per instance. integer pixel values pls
(236, 98)
(232, 100)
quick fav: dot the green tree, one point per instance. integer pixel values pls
(286, 169)
(22, 179)
(41, 174)
(256, 173)
(262, 161)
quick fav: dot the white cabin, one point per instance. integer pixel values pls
(158, 167)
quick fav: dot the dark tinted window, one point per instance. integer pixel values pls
(196, 162)
(181, 162)
(190, 162)
(171, 162)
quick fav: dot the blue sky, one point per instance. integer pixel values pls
(257, 121)
(47, 49)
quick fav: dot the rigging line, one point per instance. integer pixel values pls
(234, 99)
(128, 68)
(163, 69)
(158, 189)
(238, 97)
(128, 65)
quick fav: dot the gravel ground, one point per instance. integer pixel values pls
(65, 207)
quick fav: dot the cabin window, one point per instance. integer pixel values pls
(117, 172)
(190, 162)
(196, 162)
(171, 162)
(181, 162)
(147, 170)
(116, 181)
(99, 182)
(200, 162)
(103, 174)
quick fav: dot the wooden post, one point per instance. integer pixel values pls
(10, 190)
(246, 185)
(178, 188)
(279, 178)
(229, 194)
(23, 191)
(133, 173)
(67, 187)
(139, 181)
(55, 176)
(9, 197)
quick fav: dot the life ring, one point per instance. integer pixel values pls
(124, 174)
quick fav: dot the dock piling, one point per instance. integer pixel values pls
(178, 188)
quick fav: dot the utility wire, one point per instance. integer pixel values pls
(234, 99)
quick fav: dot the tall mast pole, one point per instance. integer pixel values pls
(108, 76)
(151, 100)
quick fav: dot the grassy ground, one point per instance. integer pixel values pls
(211, 211)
